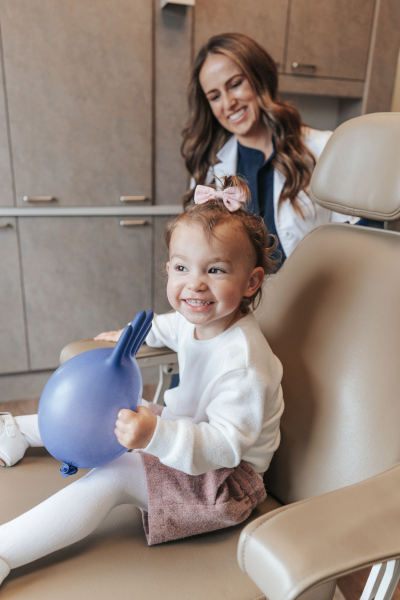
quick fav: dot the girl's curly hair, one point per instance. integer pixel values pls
(213, 213)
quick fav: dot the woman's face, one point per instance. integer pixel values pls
(231, 97)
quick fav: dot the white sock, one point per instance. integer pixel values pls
(4, 570)
(74, 512)
(28, 426)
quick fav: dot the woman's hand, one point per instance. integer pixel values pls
(108, 336)
(135, 429)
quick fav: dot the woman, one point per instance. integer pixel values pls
(238, 125)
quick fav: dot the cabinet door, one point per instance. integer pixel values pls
(263, 20)
(79, 86)
(82, 275)
(329, 38)
(13, 351)
(6, 191)
(173, 45)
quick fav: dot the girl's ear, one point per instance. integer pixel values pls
(167, 267)
(255, 281)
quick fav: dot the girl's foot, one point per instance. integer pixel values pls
(12, 443)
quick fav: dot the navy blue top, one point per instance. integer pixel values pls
(260, 179)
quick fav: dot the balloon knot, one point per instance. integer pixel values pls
(67, 470)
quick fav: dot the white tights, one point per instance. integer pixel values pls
(28, 426)
(74, 512)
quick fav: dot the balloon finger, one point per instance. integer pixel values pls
(121, 427)
(119, 434)
(125, 414)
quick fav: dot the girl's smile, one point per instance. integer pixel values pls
(207, 278)
(197, 305)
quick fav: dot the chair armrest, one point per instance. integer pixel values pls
(146, 356)
(74, 348)
(297, 547)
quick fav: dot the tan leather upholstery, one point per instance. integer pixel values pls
(368, 146)
(332, 315)
(309, 542)
(75, 348)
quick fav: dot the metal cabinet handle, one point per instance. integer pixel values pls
(295, 66)
(38, 198)
(5, 225)
(132, 222)
(133, 198)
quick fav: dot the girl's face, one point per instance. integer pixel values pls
(207, 279)
(231, 97)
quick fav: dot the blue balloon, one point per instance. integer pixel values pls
(81, 401)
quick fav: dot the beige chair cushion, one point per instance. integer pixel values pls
(358, 172)
(115, 560)
(327, 315)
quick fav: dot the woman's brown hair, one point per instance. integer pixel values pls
(203, 136)
(209, 215)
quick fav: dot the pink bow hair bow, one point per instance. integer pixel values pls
(232, 197)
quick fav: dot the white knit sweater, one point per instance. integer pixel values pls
(229, 401)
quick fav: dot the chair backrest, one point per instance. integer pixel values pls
(332, 316)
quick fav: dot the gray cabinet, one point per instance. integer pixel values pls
(6, 188)
(79, 88)
(329, 38)
(13, 347)
(263, 20)
(76, 131)
(82, 275)
(321, 47)
(161, 304)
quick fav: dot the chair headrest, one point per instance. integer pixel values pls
(358, 172)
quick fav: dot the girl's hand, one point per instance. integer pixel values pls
(135, 429)
(109, 336)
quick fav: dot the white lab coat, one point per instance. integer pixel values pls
(291, 227)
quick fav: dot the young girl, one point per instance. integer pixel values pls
(197, 463)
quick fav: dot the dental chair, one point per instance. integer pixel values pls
(332, 315)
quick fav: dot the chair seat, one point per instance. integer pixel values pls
(116, 555)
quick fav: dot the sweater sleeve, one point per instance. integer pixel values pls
(163, 332)
(235, 420)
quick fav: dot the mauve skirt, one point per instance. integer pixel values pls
(181, 505)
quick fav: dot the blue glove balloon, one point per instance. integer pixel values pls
(81, 401)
